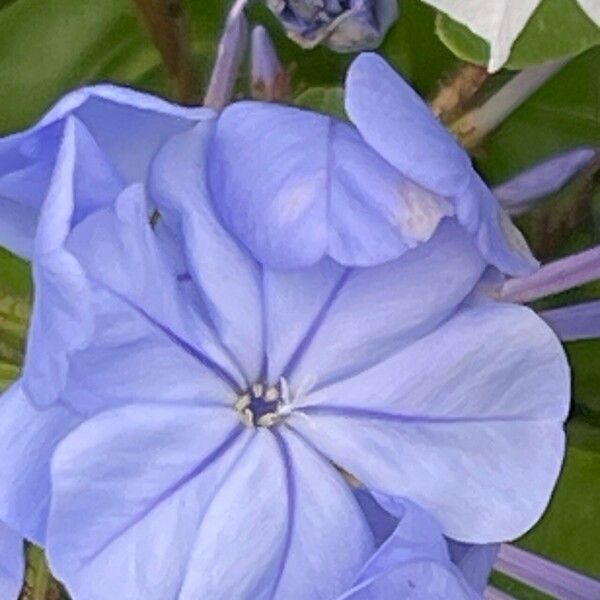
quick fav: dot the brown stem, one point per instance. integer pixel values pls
(457, 91)
(167, 24)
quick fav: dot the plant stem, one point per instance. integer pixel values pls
(456, 92)
(167, 24)
(476, 124)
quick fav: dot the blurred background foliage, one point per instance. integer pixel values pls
(48, 47)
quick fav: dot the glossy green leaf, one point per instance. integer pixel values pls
(412, 47)
(329, 100)
(15, 275)
(51, 47)
(8, 373)
(557, 29)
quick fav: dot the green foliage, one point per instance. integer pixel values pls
(557, 29)
(564, 113)
(329, 100)
(413, 49)
(55, 46)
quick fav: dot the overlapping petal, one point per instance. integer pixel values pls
(121, 257)
(228, 278)
(301, 519)
(119, 132)
(27, 440)
(366, 314)
(211, 509)
(413, 563)
(12, 563)
(291, 207)
(467, 421)
(129, 489)
(395, 121)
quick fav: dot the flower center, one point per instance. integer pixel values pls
(263, 405)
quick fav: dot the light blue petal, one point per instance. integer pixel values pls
(12, 563)
(284, 526)
(474, 412)
(475, 562)
(293, 300)
(27, 440)
(129, 360)
(295, 186)
(518, 194)
(229, 279)
(125, 129)
(65, 154)
(413, 563)
(61, 321)
(129, 490)
(395, 121)
(381, 522)
(371, 312)
(121, 257)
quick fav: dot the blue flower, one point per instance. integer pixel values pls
(343, 25)
(205, 366)
(414, 560)
(362, 195)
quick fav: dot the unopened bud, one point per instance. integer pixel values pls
(270, 80)
(343, 25)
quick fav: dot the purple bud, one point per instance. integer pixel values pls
(343, 25)
(517, 195)
(554, 277)
(229, 58)
(270, 81)
(577, 322)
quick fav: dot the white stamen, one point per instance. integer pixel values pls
(242, 402)
(268, 420)
(272, 394)
(247, 417)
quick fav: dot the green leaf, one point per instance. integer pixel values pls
(8, 373)
(15, 275)
(564, 113)
(569, 531)
(329, 100)
(39, 581)
(15, 306)
(412, 48)
(584, 357)
(14, 319)
(51, 47)
(557, 29)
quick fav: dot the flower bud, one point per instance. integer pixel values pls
(270, 80)
(343, 25)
